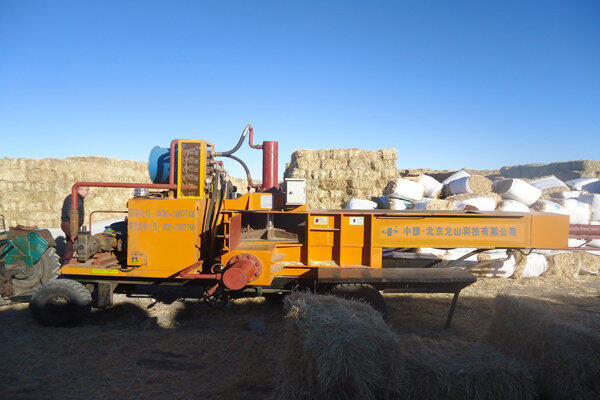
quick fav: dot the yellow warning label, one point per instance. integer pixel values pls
(104, 271)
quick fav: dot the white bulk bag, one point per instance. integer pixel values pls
(570, 194)
(579, 183)
(579, 212)
(554, 208)
(501, 269)
(594, 201)
(480, 203)
(408, 190)
(548, 182)
(421, 204)
(433, 251)
(431, 187)
(535, 266)
(457, 175)
(512, 206)
(517, 189)
(361, 204)
(398, 204)
(460, 186)
(455, 254)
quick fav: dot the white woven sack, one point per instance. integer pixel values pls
(421, 204)
(548, 183)
(480, 203)
(361, 204)
(579, 183)
(513, 206)
(579, 212)
(408, 190)
(535, 266)
(594, 201)
(501, 269)
(517, 189)
(398, 204)
(457, 175)
(431, 187)
(460, 186)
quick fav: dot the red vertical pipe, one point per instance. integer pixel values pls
(172, 162)
(270, 160)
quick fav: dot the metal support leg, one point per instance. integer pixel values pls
(452, 307)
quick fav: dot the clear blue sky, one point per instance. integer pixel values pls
(449, 84)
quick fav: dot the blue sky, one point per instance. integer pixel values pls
(448, 84)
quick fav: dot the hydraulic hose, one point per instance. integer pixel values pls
(248, 177)
(247, 129)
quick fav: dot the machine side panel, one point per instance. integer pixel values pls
(451, 232)
(164, 233)
(549, 231)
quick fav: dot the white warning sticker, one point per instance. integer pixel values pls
(266, 201)
(321, 220)
(357, 220)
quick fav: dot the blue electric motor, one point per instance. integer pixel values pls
(158, 165)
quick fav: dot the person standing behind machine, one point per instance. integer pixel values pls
(65, 225)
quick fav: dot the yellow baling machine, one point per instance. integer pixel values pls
(190, 228)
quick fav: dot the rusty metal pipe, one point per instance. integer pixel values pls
(74, 219)
(103, 211)
(578, 231)
(172, 162)
(251, 138)
(186, 273)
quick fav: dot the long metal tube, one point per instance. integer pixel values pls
(74, 218)
(247, 129)
(104, 211)
(270, 170)
(172, 162)
(251, 138)
(578, 231)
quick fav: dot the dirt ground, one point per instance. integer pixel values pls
(187, 350)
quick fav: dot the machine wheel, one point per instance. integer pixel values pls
(361, 292)
(44, 270)
(60, 302)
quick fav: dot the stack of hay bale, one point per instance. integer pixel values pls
(578, 198)
(32, 190)
(334, 176)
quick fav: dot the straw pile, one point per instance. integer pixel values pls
(32, 190)
(466, 196)
(562, 170)
(434, 204)
(443, 370)
(338, 349)
(480, 184)
(335, 176)
(563, 357)
(564, 265)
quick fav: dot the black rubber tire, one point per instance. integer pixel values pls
(361, 292)
(45, 270)
(61, 302)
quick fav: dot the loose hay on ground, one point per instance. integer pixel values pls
(443, 370)
(562, 356)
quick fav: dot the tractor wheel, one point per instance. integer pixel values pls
(60, 302)
(361, 292)
(44, 270)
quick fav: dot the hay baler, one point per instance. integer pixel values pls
(190, 229)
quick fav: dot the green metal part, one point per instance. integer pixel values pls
(22, 247)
